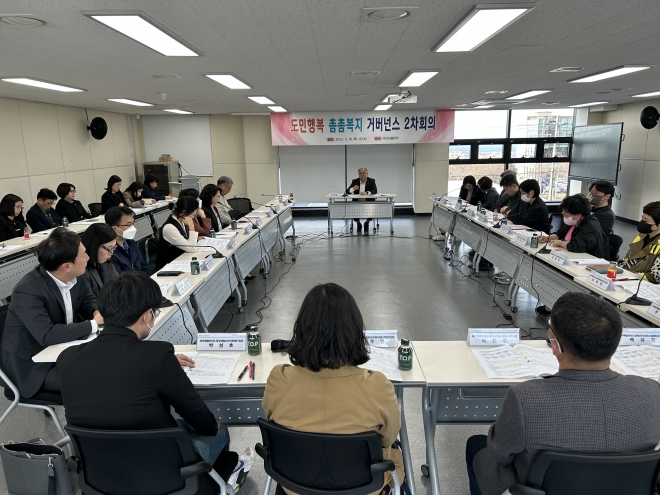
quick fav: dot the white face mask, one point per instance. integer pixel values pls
(129, 233)
(199, 202)
(524, 198)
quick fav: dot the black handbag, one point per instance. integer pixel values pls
(33, 468)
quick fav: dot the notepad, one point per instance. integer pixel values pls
(212, 369)
(518, 361)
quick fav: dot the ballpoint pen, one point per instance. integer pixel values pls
(242, 373)
(250, 365)
(254, 365)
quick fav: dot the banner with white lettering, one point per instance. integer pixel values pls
(342, 128)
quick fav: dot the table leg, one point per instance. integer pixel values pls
(429, 436)
(405, 445)
(475, 263)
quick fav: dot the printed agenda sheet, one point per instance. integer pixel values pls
(384, 361)
(639, 360)
(212, 369)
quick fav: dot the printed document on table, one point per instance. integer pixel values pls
(177, 266)
(219, 244)
(647, 290)
(212, 369)
(10, 247)
(165, 287)
(541, 360)
(503, 362)
(590, 261)
(638, 360)
(192, 355)
(384, 361)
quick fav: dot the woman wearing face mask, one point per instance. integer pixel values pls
(177, 234)
(112, 195)
(100, 243)
(581, 232)
(534, 212)
(644, 253)
(133, 195)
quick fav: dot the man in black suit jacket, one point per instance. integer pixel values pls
(363, 186)
(42, 215)
(52, 304)
(119, 381)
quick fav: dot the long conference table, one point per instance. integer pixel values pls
(537, 273)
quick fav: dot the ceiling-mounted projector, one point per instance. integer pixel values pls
(404, 97)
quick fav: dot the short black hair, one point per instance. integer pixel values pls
(653, 210)
(96, 235)
(530, 185)
(112, 181)
(133, 189)
(586, 326)
(124, 299)
(191, 191)
(509, 180)
(329, 330)
(185, 204)
(576, 204)
(469, 179)
(208, 193)
(114, 215)
(150, 178)
(603, 186)
(46, 193)
(7, 204)
(61, 246)
(485, 183)
(64, 188)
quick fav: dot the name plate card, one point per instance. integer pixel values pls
(457, 206)
(270, 213)
(482, 217)
(182, 286)
(559, 258)
(521, 239)
(505, 229)
(207, 264)
(654, 310)
(277, 206)
(221, 341)
(382, 338)
(334, 195)
(600, 281)
(640, 336)
(471, 212)
(247, 230)
(493, 336)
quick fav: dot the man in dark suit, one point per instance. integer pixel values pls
(119, 381)
(42, 215)
(586, 407)
(363, 186)
(127, 256)
(52, 304)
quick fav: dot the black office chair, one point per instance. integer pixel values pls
(556, 221)
(148, 462)
(323, 464)
(41, 400)
(564, 473)
(95, 209)
(148, 248)
(615, 242)
(240, 204)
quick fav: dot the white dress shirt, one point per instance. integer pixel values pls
(363, 185)
(172, 235)
(65, 290)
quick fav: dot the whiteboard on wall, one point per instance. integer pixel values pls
(309, 172)
(187, 138)
(390, 164)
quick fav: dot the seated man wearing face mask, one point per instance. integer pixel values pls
(127, 256)
(600, 196)
(644, 253)
(534, 212)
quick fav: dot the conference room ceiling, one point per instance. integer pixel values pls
(301, 53)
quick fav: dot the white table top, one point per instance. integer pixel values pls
(641, 311)
(349, 197)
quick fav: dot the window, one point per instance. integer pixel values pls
(458, 172)
(459, 152)
(542, 123)
(490, 151)
(523, 150)
(551, 176)
(555, 150)
(480, 124)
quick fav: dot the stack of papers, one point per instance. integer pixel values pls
(640, 360)
(518, 361)
(211, 369)
(590, 261)
(177, 266)
(647, 290)
(219, 244)
(384, 361)
(10, 247)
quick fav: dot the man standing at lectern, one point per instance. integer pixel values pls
(364, 186)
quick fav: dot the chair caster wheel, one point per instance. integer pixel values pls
(514, 309)
(392, 232)
(265, 275)
(507, 302)
(241, 310)
(244, 302)
(425, 470)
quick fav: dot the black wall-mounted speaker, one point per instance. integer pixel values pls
(649, 117)
(98, 127)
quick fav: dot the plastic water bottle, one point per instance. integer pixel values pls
(405, 355)
(194, 266)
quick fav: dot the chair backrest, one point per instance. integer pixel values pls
(318, 463)
(148, 248)
(556, 221)
(564, 473)
(146, 462)
(95, 209)
(242, 205)
(615, 242)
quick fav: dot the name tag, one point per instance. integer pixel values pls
(559, 258)
(654, 310)
(482, 217)
(256, 220)
(640, 336)
(334, 195)
(182, 286)
(471, 213)
(505, 229)
(232, 243)
(277, 206)
(600, 281)
(523, 240)
(493, 336)
(221, 341)
(382, 338)
(247, 230)
(433, 197)
(270, 213)
(207, 264)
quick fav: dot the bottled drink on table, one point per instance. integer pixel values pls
(479, 207)
(405, 355)
(65, 222)
(611, 271)
(254, 342)
(233, 225)
(534, 243)
(212, 234)
(194, 266)
(26, 232)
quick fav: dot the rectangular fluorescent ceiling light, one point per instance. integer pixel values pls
(278, 109)
(140, 27)
(130, 102)
(382, 107)
(415, 79)
(28, 81)
(481, 107)
(228, 80)
(529, 94)
(387, 98)
(655, 93)
(484, 22)
(262, 100)
(176, 110)
(617, 71)
(588, 104)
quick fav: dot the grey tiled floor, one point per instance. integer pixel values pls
(399, 282)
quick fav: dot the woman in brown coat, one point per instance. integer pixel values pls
(325, 391)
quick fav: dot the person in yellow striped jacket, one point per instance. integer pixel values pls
(644, 253)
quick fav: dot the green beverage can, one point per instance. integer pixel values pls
(212, 234)
(534, 243)
(479, 207)
(405, 355)
(194, 266)
(233, 225)
(254, 342)
(504, 221)
(65, 222)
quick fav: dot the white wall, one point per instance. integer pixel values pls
(43, 145)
